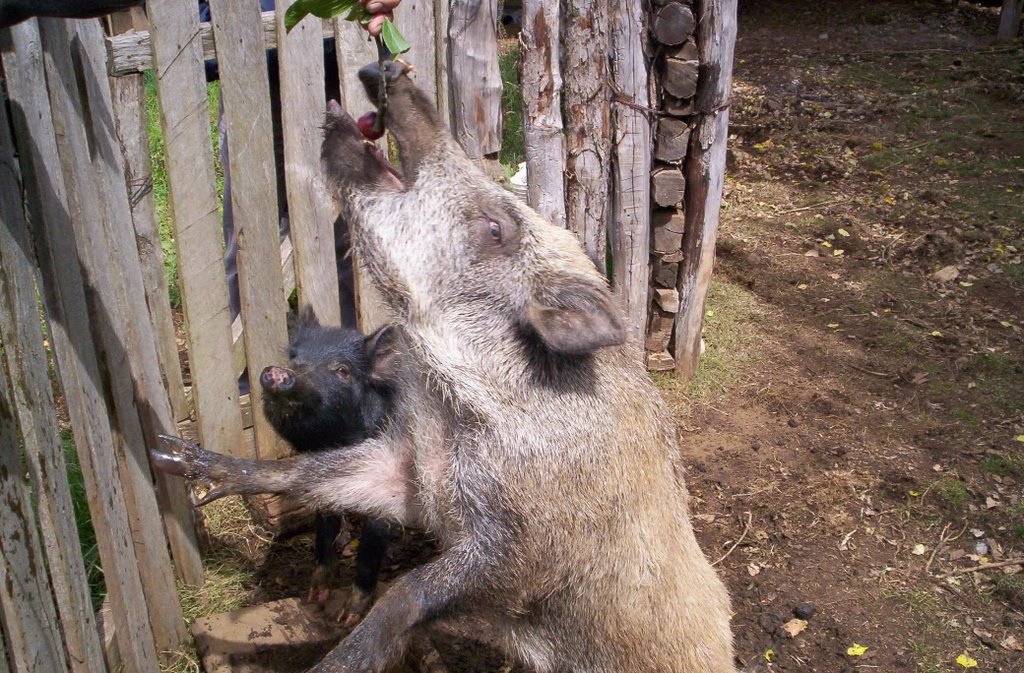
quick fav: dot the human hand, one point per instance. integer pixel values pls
(381, 9)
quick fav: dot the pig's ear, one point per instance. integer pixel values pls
(575, 316)
(307, 317)
(382, 350)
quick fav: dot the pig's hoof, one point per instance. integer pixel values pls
(355, 608)
(183, 458)
(319, 586)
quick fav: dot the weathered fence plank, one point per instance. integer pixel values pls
(129, 99)
(144, 381)
(197, 232)
(133, 53)
(310, 210)
(475, 79)
(629, 222)
(416, 19)
(1009, 20)
(71, 336)
(541, 84)
(245, 93)
(705, 175)
(26, 604)
(31, 401)
(94, 180)
(355, 49)
(442, 66)
(588, 141)
(4, 667)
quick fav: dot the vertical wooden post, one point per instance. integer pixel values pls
(245, 92)
(310, 211)
(705, 174)
(588, 141)
(475, 78)
(1009, 20)
(541, 82)
(442, 66)
(29, 397)
(630, 217)
(416, 19)
(129, 98)
(192, 187)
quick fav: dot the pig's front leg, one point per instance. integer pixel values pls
(460, 577)
(373, 477)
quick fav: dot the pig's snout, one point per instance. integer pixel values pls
(369, 75)
(277, 379)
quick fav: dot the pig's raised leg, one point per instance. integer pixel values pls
(461, 577)
(373, 477)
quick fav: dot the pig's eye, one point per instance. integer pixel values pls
(341, 370)
(495, 229)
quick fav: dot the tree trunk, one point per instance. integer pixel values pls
(588, 142)
(541, 82)
(630, 220)
(705, 173)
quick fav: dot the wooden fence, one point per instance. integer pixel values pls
(82, 275)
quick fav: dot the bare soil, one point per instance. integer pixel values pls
(855, 438)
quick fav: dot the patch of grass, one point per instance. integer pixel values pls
(952, 491)
(512, 142)
(1002, 466)
(83, 520)
(897, 342)
(731, 338)
(966, 418)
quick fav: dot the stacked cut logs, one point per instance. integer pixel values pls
(674, 51)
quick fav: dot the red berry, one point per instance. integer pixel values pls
(367, 124)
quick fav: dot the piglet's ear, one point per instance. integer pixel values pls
(307, 317)
(383, 351)
(575, 316)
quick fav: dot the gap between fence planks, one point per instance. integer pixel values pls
(197, 226)
(475, 78)
(30, 399)
(629, 221)
(705, 173)
(310, 210)
(71, 337)
(586, 98)
(132, 52)
(245, 94)
(541, 75)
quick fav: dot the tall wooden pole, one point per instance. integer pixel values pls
(705, 173)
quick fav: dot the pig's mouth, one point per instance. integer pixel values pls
(349, 141)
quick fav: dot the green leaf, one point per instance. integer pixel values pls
(393, 40)
(325, 9)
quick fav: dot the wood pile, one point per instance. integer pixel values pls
(673, 49)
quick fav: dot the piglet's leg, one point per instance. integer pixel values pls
(372, 478)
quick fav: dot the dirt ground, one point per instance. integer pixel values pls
(855, 438)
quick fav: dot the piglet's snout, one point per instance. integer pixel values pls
(277, 379)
